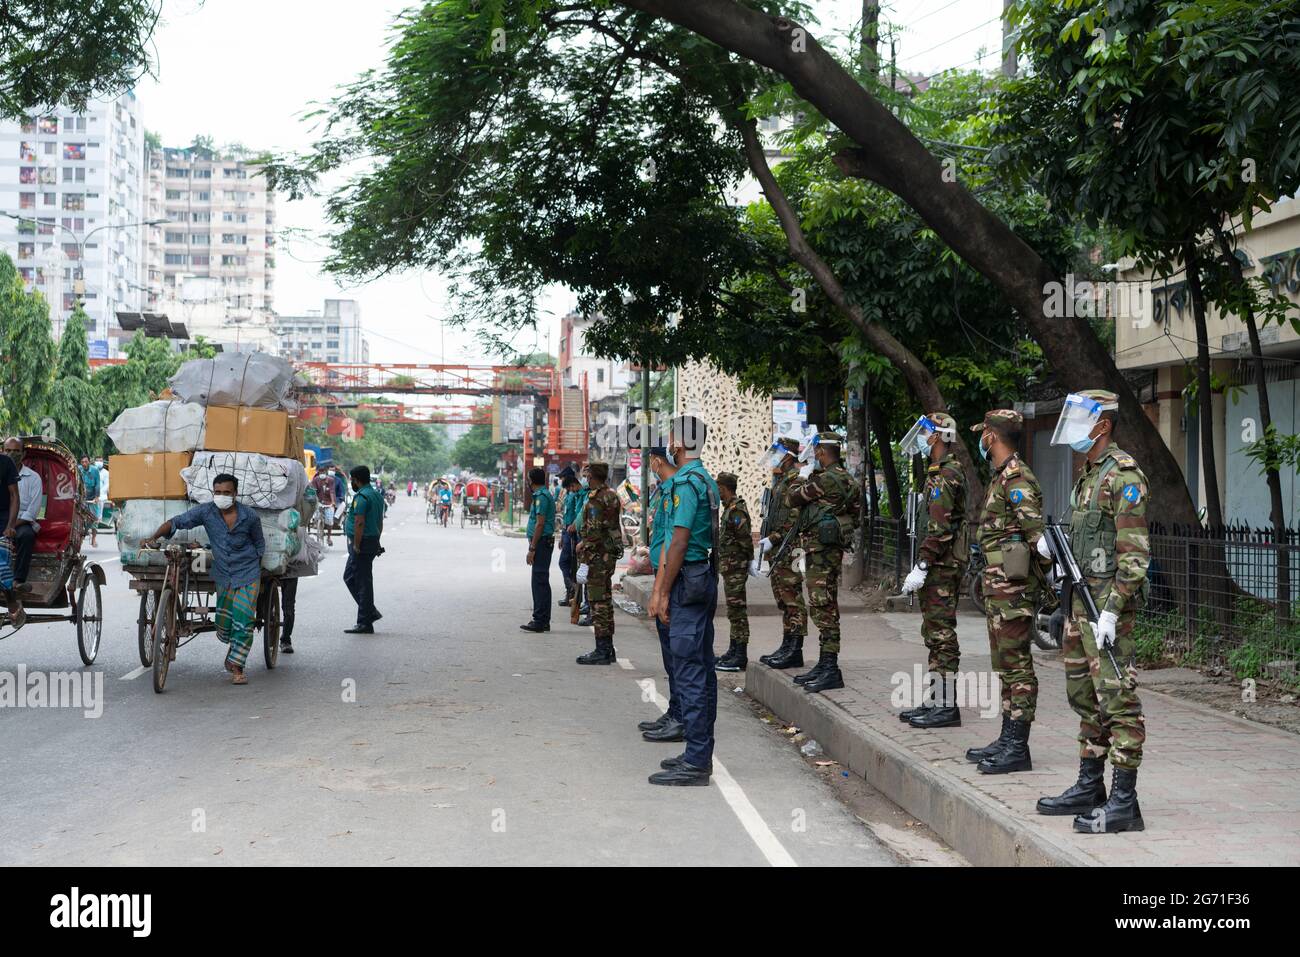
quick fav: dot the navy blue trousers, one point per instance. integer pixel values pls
(690, 639)
(542, 581)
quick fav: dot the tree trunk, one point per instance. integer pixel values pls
(1276, 508)
(918, 376)
(893, 494)
(869, 46)
(892, 157)
(1204, 395)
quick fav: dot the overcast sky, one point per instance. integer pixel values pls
(246, 70)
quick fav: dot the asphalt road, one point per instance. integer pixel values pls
(466, 740)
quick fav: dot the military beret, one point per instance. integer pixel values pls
(1001, 418)
(1108, 401)
(727, 479)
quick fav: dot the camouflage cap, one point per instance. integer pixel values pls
(1008, 419)
(788, 443)
(727, 480)
(1108, 401)
(943, 420)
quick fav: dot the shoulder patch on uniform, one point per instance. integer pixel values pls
(1016, 495)
(933, 468)
(936, 492)
(1124, 460)
(1012, 468)
(1132, 494)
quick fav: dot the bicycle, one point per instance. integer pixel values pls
(1048, 617)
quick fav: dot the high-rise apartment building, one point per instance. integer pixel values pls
(220, 227)
(71, 191)
(334, 335)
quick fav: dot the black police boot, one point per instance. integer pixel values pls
(1083, 795)
(787, 642)
(1120, 812)
(654, 725)
(927, 701)
(793, 657)
(1014, 756)
(830, 678)
(976, 755)
(736, 660)
(602, 655)
(567, 599)
(672, 730)
(726, 656)
(946, 714)
(812, 672)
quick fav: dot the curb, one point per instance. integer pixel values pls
(970, 822)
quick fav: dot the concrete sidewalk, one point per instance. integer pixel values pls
(1214, 789)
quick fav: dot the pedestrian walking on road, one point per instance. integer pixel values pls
(365, 524)
(235, 536)
(90, 495)
(541, 544)
(685, 599)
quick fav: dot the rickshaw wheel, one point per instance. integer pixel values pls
(428, 514)
(271, 626)
(144, 625)
(90, 619)
(164, 637)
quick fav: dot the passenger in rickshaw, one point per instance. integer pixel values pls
(235, 535)
(90, 496)
(25, 525)
(444, 502)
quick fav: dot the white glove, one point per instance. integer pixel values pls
(1106, 623)
(914, 580)
(807, 470)
(1042, 547)
(756, 568)
(581, 577)
(765, 546)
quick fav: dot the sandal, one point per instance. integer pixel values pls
(238, 677)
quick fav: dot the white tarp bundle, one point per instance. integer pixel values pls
(162, 426)
(307, 561)
(140, 518)
(264, 481)
(235, 378)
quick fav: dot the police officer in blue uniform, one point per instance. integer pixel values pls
(686, 598)
(668, 726)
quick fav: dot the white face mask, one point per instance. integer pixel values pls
(223, 502)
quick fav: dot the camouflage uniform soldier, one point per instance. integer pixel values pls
(597, 553)
(1109, 541)
(937, 576)
(780, 538)
(1011, 523)
(735, 550)
(830, 505)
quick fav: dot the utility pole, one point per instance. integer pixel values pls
(1008, 50)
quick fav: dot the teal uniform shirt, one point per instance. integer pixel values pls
(583, 493)
(370, 504)
(690, 508)
(570, 509)
(661, 510)
(543, 507)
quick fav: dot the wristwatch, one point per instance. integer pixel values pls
(923, 565)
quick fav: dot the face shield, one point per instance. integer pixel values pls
(770, 457)
(917, 439)
(1079, 416)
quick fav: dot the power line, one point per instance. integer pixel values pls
(957, 36)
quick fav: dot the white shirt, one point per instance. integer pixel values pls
(29, 496)
(103, 485)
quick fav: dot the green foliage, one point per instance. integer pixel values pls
(71, 51)
(26, 352)
(76, 404)
(476, 452)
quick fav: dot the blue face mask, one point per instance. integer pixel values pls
(984, 453)
(671, 459)
(1083, 445)
(583, 480)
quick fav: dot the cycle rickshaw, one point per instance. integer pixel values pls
(62, 585)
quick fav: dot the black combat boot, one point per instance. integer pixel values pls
(976, 755)
(812, 672)
(945, 714)
(787, 642)
(654, 725)
(1120, 812)
(830, 678)
(726, 656)
(1014, 756)
(793, 657)
(927, 701)
(602, 655)
(736, 660)
(1083, 795)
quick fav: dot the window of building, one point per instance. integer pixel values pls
(26, 250)
(178, 215)
(74, 174)
(27, 175)
(49, 199)
(236, 239)
(234, 260)
(50, 148)
(202, 217)
(74, 124)
(203, 196)
(175, 259)
(26, 227)
(174, 194)
(48, 176)
(174, 237)
(332, 330)
(74, 151)
(49, 125)
(74, 200)
(179, 172)
(26, 200)
(600, 375)
(200, 239)
(71, 251)
(45, 226)
(331, 344)
(203, 174)
(27, 152)
(200, 259)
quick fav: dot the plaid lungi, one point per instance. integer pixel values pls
(236, 612)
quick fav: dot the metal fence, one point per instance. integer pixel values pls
(887, 547)
(1228, 597)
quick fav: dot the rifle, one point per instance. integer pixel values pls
(1059, 546)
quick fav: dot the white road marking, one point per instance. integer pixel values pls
(133, 674)
(768, 844)
(626, 665)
